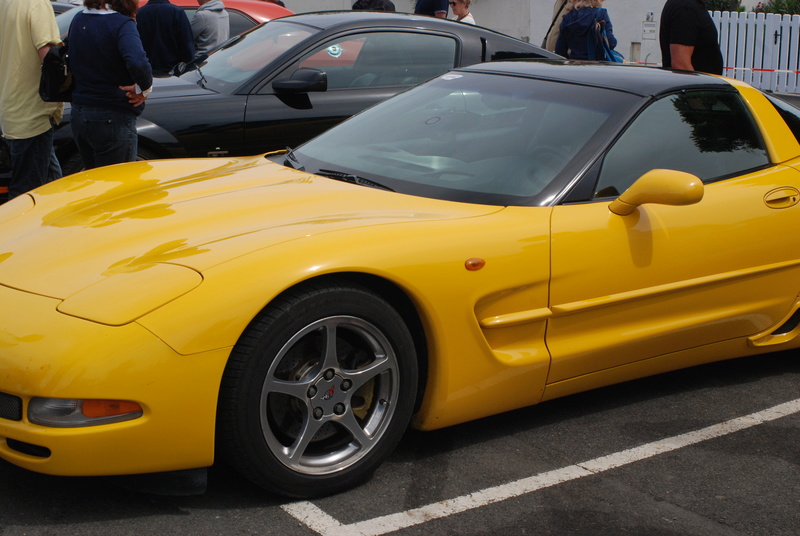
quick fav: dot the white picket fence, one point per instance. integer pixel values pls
(762, 49)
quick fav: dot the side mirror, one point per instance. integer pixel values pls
(661, 187)
(302, 81)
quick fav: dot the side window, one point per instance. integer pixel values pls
(340, 55)
(382, 59)
(707, 133)
(238, 22)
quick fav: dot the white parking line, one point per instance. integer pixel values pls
(322, 523)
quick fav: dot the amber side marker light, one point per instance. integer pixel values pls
(95, 409)
(73, 413)
(474, 264)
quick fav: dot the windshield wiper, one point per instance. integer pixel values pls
(290, 157)
(354, 179)
(202, 82)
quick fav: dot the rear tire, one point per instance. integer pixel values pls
(318, 391)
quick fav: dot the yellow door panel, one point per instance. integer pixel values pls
(667, 278)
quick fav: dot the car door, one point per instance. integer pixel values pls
(362, 69)
(669, 278)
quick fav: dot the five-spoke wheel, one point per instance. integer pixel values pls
(318, 390)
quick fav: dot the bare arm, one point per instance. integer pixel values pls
(43, 51)
(681, 56)
(441, 15)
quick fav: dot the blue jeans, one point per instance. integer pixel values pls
(103, 136)
(33, 163)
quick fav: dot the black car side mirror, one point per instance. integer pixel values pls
(302, 81)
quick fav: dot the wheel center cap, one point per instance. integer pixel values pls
(328, 395)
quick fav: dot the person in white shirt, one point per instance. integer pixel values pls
(461, 11)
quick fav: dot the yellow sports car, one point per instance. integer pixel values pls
(505, 234)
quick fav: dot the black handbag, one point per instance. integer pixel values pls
(56, 83)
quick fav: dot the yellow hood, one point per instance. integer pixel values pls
(197, 213)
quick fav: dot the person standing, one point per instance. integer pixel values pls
(166, 35)
(461, 11)
(27, 31)
(108, 62)
(433, 8)
(373, 5)
(560, 9)
(688, 37)
(577, 28)
(210, 26)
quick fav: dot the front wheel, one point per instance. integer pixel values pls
(318, 391)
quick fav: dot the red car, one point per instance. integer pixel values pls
(243, 13)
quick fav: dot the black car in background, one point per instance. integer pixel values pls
(285, 81)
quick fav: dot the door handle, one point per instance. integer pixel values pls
(783, 197)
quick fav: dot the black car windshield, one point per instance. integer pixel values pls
(473, 137)
(251, 51)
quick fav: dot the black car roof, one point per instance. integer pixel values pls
(343, 20)
(331, 19)
(637, 79)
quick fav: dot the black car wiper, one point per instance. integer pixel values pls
(290, 157)
(202, 81)
(349, 177)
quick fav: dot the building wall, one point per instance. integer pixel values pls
(635, 22)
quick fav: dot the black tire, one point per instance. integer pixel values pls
(303, 417)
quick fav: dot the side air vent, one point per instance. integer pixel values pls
(789, 325)
(786, 331)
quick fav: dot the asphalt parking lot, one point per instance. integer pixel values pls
(713, 450)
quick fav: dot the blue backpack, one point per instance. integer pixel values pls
(597, 41)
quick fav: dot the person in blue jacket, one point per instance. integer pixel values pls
(574, 34)
(112, 80)
(166, 35)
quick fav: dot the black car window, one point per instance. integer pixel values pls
(234, 63)
(382, 59)
(710, 134)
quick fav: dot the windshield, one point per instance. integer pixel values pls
(250, 52)
(472, 137)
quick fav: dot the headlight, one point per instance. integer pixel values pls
(71, 413)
